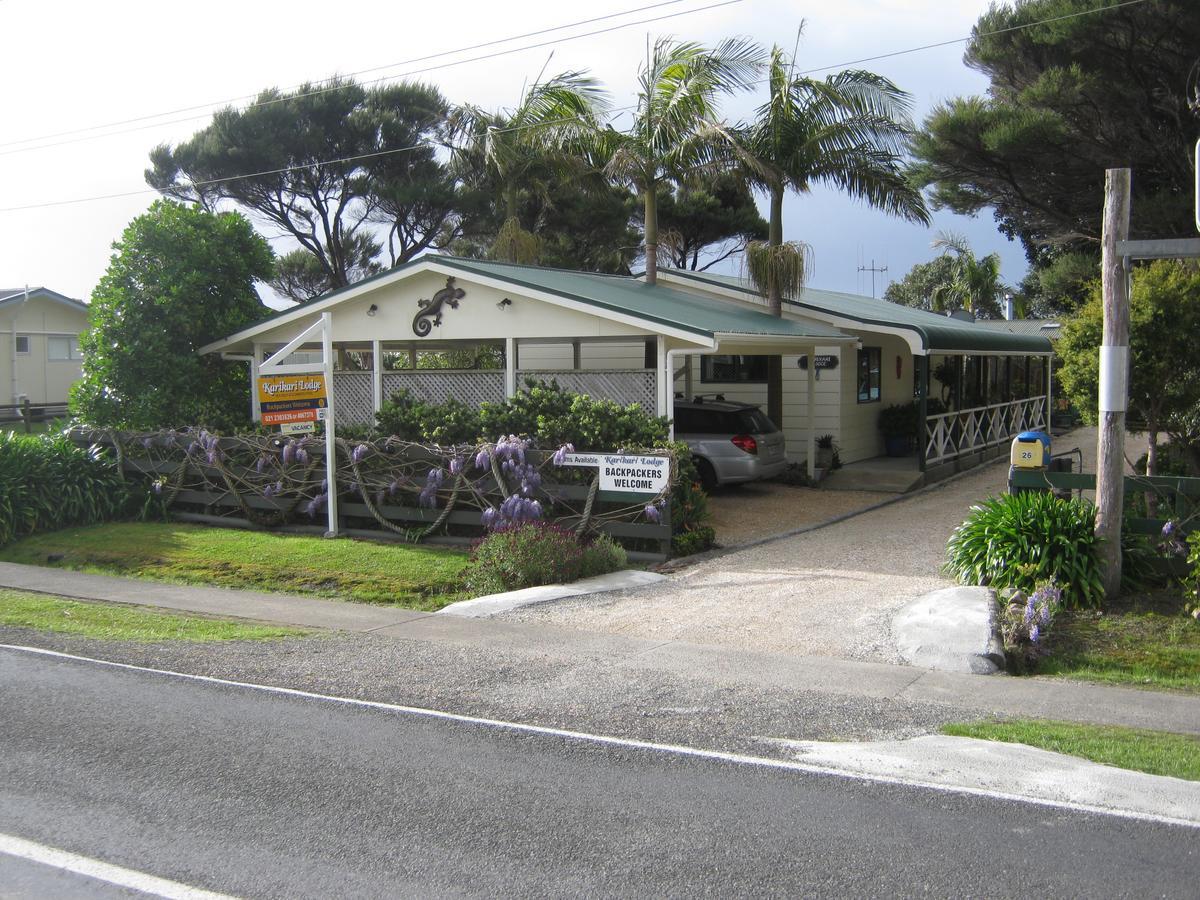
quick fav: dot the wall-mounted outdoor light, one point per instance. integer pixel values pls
(372, 309)
(503, 303)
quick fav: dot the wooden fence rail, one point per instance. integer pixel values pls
(201, 496)
(31, 414)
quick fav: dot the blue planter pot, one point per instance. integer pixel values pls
(897, 445)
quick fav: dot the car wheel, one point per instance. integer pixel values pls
(708, 475)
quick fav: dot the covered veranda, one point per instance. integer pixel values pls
(444, 327)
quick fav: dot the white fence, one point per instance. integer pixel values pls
(353, 392)
(953, 434)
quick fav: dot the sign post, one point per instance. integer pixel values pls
(294, 397)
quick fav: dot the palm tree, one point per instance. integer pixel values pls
(849, 131)
(975, 284)
(678, 90)
(549, 130)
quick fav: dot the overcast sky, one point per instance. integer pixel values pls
(72, 64)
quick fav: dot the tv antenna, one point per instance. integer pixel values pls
(872, 269)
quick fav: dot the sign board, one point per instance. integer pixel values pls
(291, 416)
(626, 473)
(302, 390)
(824, 361)
(297, 427)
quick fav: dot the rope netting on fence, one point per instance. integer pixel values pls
(409, 489)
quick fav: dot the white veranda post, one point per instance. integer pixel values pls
(274, 365)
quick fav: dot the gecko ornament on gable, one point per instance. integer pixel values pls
(432, 309)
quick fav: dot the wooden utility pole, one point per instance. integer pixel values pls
(1114, 379)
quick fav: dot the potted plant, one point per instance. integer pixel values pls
(825, 451)
(899, 426)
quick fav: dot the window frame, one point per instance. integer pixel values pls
(28, 339)
(865, 355)
(74, 354)
(707, 362)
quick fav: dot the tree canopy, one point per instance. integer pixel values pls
(1164, 387)
(1067, 99)
(179, 277)
(703, 223)
(317, 164)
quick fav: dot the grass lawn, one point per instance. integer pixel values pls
(1144, 641)
(424, 578)
(1156, 752)
(123, 623)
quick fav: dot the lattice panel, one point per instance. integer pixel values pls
(622, 386)
(353, 398)
(956, 433)
(472, 388)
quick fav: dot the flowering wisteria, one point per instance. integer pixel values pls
(270, 479)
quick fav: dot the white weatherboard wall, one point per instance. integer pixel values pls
(40, 378)
(859, 437)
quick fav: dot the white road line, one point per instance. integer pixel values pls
(608, 740)
(102, 871)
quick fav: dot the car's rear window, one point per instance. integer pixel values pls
(719, 421)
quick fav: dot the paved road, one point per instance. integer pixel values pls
(257, 794)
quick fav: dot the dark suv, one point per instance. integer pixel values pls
(730, 442)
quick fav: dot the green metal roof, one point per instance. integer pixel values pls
(657, 303)
(937, 333)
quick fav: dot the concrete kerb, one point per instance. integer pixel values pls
(717, 552)
(953, 630)
(494, 604)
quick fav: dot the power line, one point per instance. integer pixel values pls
(380, 153)
(963, 40)
(407, 62)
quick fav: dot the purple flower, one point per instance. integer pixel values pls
(1034, 634)
(1169, 528)
(560, 455)
(489, 517)
(260, 464)
(147, 442)
(652, 513)
(456, 465)
(482, 459)
(359, 453)
(302, 456)
(158, 486)
(289, 453)
(269, 491)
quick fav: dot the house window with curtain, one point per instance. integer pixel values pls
(727, 369)
(62, 348)
(869, 362)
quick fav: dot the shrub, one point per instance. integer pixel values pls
(553, 417)
(524, 556)
(899, 420)
(46, 482)
(601, 556)
(1020, 540)
(410, 419)
(694, 540)
(689, 503)
(1191, 581)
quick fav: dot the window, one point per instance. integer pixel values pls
(725, 369)
(868, 374)
(22, 344)
(60, 348)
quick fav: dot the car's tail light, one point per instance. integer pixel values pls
(745, 442)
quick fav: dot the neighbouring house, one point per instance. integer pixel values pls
(39, 344)
(845, 357)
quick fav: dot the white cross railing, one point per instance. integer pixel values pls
(956, 433)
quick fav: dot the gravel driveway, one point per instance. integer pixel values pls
(830, 592)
